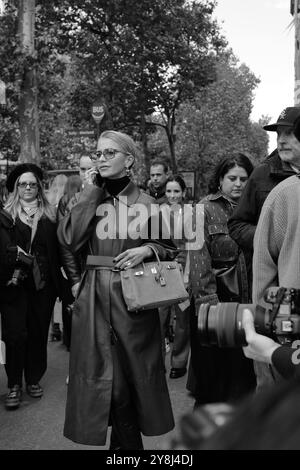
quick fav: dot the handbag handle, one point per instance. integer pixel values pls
(156, 255)
(159, 277)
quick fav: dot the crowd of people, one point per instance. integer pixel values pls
(71, 245)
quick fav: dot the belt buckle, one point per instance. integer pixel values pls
(115, 270)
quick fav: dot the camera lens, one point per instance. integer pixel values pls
(221, 325)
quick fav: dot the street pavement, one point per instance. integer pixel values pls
(38, 423)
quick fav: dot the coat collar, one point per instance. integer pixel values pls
(218, 196)
(277, 166)
(131, 192)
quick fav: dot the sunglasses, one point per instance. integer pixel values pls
(31, 185)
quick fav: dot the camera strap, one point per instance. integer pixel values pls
(39, 282)
(34, 229)
(279, 297)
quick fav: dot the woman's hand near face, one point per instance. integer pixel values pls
(90, 175)
(132, 257)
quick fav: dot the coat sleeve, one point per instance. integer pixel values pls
(70, 261)
(76, 228)
(163, 243)
(286, 360)
(266, 251)
(242, 224)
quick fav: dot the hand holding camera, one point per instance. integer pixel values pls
(260, 348)
(222, 324)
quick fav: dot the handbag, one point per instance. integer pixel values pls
(227, 283)
(153, 284)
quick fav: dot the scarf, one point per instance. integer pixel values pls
(30, 213)
(28, 210)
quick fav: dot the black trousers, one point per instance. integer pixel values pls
(26, 315)
(125, 432)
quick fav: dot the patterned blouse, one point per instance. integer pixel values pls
(218, 253)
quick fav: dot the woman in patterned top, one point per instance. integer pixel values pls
(220, 375)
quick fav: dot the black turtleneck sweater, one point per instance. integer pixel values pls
(114, 187)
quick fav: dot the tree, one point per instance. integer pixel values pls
(27, 72)
(140, 57)
(28, 109)
(217, 122)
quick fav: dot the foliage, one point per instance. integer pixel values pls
(159, 65)
(140, 57)
(217, 122)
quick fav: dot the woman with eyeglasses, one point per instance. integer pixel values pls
(34, 286)
(117, 374)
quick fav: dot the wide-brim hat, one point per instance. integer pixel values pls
(19, 170)
(287, 118)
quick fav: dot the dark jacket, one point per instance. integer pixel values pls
(100, 316)
(47, 257)
(71, 263)
(286, 361)
(7, 239)
(158, 194)
(264, 178)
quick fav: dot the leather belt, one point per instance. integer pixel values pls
(100, 262)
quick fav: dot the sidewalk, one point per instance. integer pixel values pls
(38, 423)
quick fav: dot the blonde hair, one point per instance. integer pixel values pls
(125, 142)
(56, 189)
(13, 205)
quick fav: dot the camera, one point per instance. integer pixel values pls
(221, 324)
(23, 264)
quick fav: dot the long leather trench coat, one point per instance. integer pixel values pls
(100, 317)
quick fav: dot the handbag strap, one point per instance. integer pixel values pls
(156, 255)
(34, 229)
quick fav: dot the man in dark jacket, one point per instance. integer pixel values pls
(281, 164)
(158, 179)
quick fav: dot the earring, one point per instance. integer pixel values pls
(128, 172)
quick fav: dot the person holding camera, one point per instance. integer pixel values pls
(272, 171)
(218, 274)
(277, 248)
(117, 373)
(32, 290)
(285, 359)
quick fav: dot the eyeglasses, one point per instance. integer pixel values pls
(24, 185)
(108, 154)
